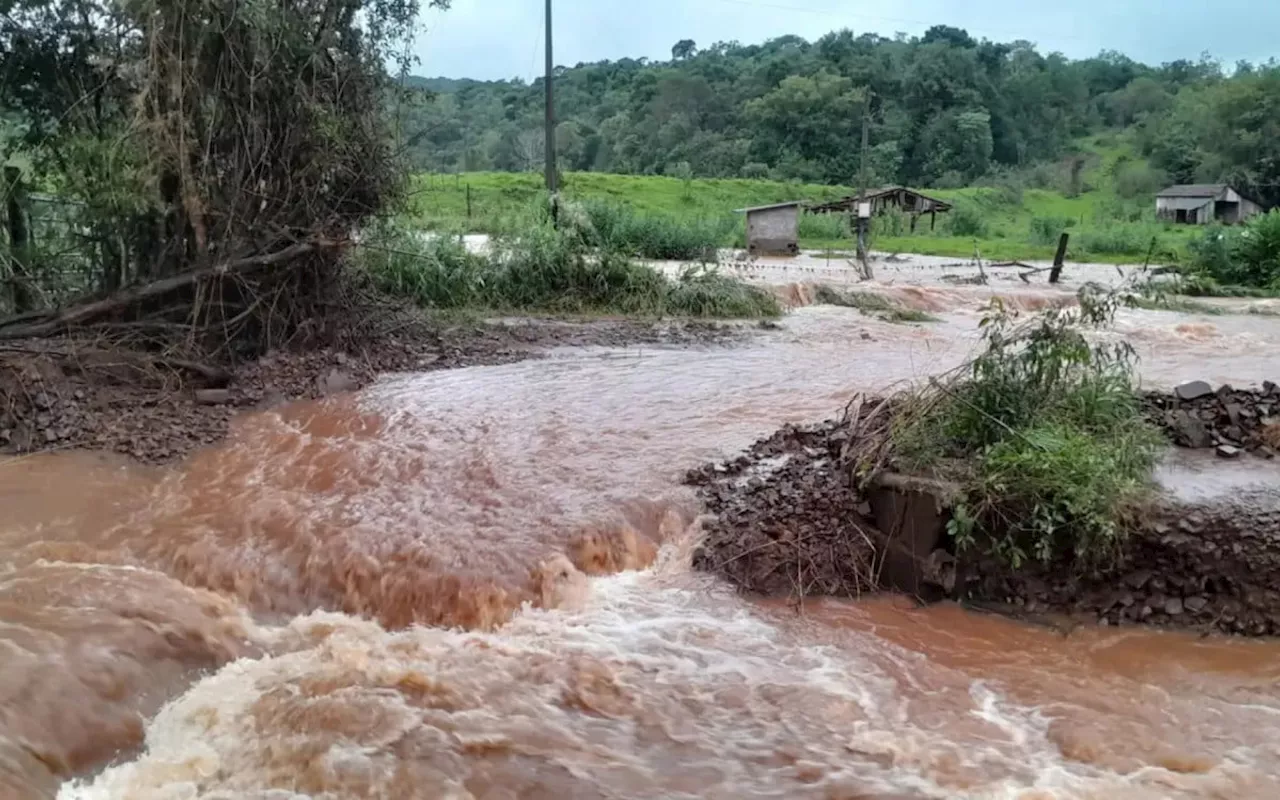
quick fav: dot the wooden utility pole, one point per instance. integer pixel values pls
(552, 179)
(863, 221)
(1059, 258)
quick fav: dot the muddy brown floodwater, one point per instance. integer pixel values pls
(244, 625)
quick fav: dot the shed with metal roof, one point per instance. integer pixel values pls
(1203, 203)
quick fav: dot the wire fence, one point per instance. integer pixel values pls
(59, 260)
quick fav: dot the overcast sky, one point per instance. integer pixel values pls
(503, 38)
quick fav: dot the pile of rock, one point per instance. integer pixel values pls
(1206, 567)
(786, 522)
(1228, 420)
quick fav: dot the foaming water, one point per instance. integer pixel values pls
(415, 593)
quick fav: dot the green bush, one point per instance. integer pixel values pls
(1046, 230)
(1139, 180)
(1045, 433)
(967, 219)
(891, 222)
(825, 227)
(1247, 256)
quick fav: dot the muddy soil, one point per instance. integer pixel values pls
(64, 395)
(783, 521)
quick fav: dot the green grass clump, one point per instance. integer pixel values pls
(871, 304)
(1045, 433)
(617, 227)
(824, 227)
(549, 270)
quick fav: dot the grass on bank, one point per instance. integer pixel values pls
(547, 270)
(1045, 433)
(871, 304)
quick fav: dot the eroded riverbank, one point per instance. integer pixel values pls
(279, 571)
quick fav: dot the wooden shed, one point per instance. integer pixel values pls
(909, 201)
(774, 229)
(1203, 203)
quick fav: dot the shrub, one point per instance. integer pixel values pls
(892, 222)
(1046, 230)
(1139, 179)
(1049, 434)
(824, 226)
(1247, 256)
(967, 219)
(1257, 251)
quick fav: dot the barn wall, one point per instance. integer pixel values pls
(1200, 208)
(1249, 209)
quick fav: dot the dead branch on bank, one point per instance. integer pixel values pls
(57, 322)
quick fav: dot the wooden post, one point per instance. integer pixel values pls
(550, 122)
(468, 201)
(20, 289)
(933, 219)
(863, 222)
(1059, 259)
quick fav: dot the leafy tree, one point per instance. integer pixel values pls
(796, 108)
(685, 48)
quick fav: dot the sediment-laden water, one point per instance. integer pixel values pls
(475, 583)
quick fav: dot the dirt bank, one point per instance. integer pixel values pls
(784, 521)
(61, 395)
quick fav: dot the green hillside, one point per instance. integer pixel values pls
(1004, 219)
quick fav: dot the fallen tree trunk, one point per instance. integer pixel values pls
(60, 321)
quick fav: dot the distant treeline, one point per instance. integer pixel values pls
(945, 109)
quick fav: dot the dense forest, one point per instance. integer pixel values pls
(945, 110)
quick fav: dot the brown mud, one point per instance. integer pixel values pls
(117, 403)
(785, 521)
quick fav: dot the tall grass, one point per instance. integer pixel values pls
(545, 269)
(667, 237)
(824, 227)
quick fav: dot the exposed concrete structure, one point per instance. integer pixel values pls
(773, 230)
(1203, 203)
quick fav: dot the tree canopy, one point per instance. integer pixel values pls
(945, 108)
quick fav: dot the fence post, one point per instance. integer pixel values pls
(468, 201)
(20, 290)
(1059, 259)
